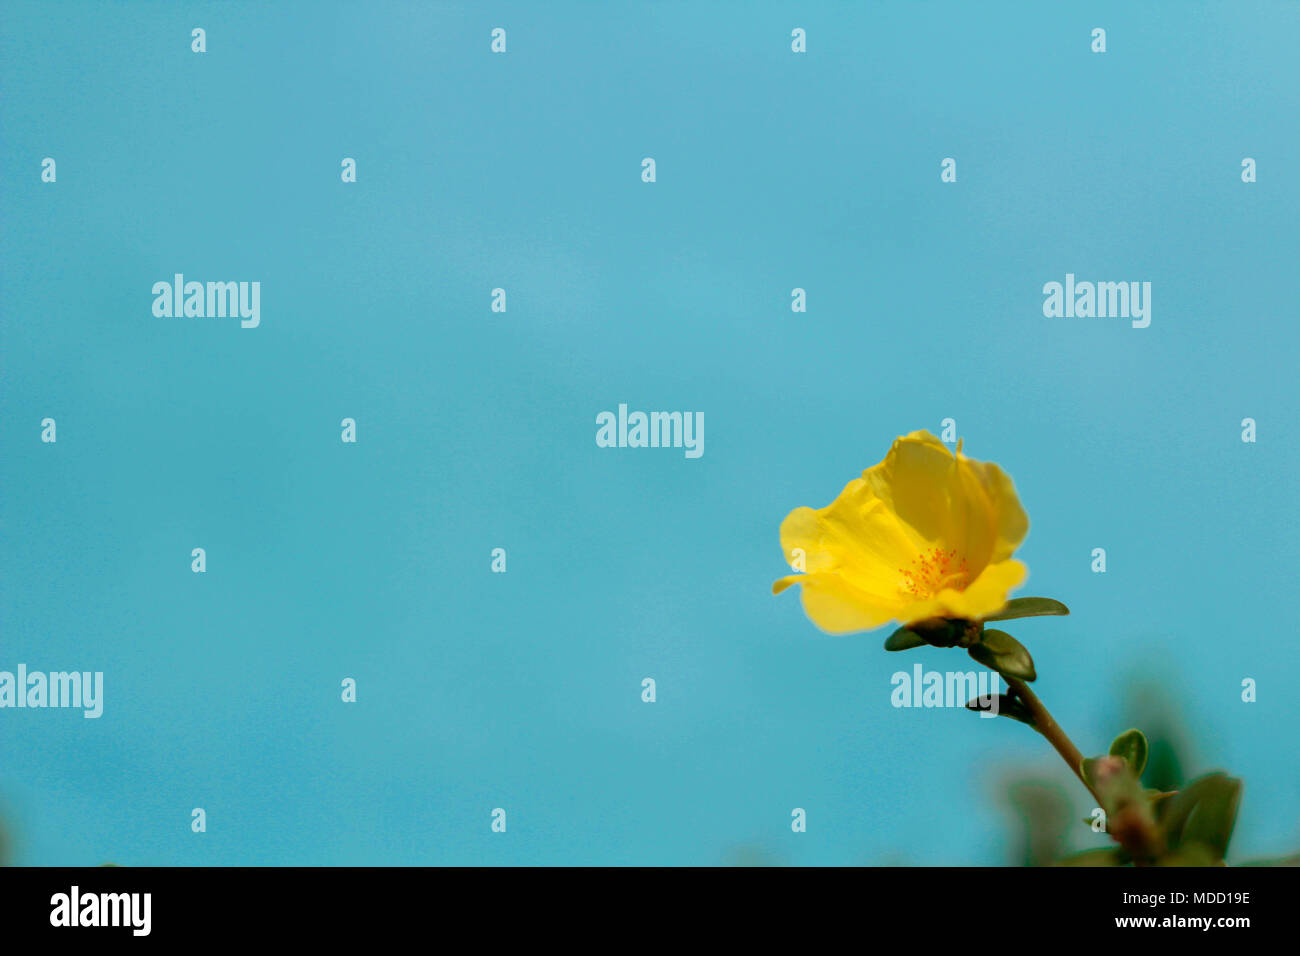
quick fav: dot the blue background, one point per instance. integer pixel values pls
(476, 429)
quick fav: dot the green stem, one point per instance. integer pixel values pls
(1139, 837)
(1046, 725)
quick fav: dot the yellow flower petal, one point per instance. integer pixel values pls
(837, 607)
(1010, 523)
(924, 484)
(856, 536)
(925, 533)
(987, 594)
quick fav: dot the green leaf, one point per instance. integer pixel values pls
(1105, 856)
(1004, 654)
(1160, 801)
(1008, 706)
(903, 640)
(1132, 746)
(1204, 812)
(1028, 607)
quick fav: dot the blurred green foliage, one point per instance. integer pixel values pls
(1043, 807)
(1045, 831)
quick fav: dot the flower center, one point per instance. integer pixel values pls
(934, 570)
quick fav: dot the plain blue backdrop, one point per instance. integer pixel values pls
(476, 429)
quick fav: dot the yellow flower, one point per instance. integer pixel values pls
(923, 534)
